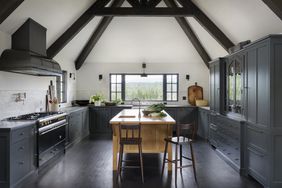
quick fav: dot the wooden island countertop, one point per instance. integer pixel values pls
(153, 132)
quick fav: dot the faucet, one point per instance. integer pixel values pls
(139, 106)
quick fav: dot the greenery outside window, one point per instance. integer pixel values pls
(62, 87)
(149, 87)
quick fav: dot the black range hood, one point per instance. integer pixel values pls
(28, 53)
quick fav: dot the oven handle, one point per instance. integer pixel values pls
(49, 130)
(50, 126)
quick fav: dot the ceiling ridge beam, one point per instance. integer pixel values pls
(98, 32)
(74, 29)
(144, 12)
(8, 8)
(275, 6)
(190, 34)
(134, 3)
(209, 25)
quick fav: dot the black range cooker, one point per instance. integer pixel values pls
(51, 134)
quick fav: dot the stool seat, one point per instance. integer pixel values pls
(178, 140)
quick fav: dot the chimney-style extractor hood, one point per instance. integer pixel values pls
(28, 53)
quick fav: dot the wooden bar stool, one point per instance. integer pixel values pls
(181, 139)
(129, 135)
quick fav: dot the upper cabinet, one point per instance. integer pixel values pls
(217, 85)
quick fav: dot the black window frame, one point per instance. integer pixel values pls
(164, 86)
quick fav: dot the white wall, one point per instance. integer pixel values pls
(35, 87)
(89, 84)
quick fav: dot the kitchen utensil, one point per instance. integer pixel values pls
(194, 92)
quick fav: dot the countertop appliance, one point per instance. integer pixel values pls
(51, 134)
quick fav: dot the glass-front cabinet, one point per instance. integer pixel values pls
(234, 83)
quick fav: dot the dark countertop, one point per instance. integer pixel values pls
(71, 109)
(204, 107)
(117, 106)
(16, 124)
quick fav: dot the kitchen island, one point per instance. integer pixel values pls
(154, 130)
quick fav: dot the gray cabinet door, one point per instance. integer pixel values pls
(203, 123)
(85, 123)
(217, 88)
(212, 87)
(75, 126)
(99, 120)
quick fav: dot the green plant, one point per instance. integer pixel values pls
(96, 97)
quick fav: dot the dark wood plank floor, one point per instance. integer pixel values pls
(89, 165)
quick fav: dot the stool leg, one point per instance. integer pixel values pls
(141, 161)
(181, 158)
(164, 159)
(176, 163)
(120, 161)
(193, 159)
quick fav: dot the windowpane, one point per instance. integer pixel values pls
(113, 96)
(168, 78)
(114, 78)
(174, 96)
(174, 87)
(118, 95)
(174, 78)
(118, 79)
(168, 87)
(168, 96)
(119, 87)
(144, 88)
(113, 87)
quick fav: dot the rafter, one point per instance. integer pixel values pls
(103, 24)
(275, 6)
(204, 20)
(190, 34)
(7, 7)
(144, 12)
(75, 28)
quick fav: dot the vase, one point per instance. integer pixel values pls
(97, 103)
(54, 108)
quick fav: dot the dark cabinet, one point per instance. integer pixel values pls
(217, 85)
(78, 125)
(225, 136)
(100, 117)
(17, 155)
(203, 123)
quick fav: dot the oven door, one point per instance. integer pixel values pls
(48, 139)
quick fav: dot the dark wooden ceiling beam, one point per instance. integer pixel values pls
(275, 6)
(134, 3)
(98, 32)
(153, 3)
(144, 12)
(190, 34)
(204, 20)
(7, 7)
(74, 29)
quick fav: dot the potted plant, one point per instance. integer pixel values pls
(96, 99)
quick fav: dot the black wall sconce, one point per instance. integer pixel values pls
(100, 76)
(72, 75)
(187, 77)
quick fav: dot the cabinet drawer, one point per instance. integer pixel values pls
(256, 137)
(20, 134)
(20, 162)
(257, 166)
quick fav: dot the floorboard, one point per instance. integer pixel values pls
(88, 164)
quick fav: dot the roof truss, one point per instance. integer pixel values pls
(140, 8)
(275, 6)
(7, 7)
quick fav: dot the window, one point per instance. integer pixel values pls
(151, 87)
(234, 87)
(62, 87)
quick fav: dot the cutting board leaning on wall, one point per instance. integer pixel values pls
(195, 92)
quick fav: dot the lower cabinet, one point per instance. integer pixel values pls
(257, 153)
(203, 123)
(100, 116)
(17, 155)
(78, 125)
(225, 135)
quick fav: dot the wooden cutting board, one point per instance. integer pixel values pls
(194, 92)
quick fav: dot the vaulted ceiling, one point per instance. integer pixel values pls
(134, 39)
